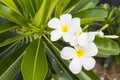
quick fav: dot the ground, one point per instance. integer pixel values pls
(110, 72)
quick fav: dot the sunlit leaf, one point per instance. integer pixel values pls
(11, 4)
(11, 15)
(60, 7)
(44, 12)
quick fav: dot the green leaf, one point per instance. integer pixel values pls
(11, 15)
(11, 4)
(60, 6)
(87, 75)
(22, 7)
(84, 5)
(58, 66)
(37, 4)
(29, 6)
(11, 64)
(106, 47)
(72, 4)
(34, 64)
(8, 49)
(44, 12)
(117, 58)
(91, 15)
(8, 38)
(7, 26)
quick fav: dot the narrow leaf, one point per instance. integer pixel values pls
(9, 38)
(34, 64)
(84, 5)
(72, 4)
(58, 67)
(7, 26)
(11, 64)
(60, 7)
(11, 15)
(37, 4)
(11, 4)
(44, 12)
(29, 6)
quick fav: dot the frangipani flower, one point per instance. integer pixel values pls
(65, 26)
(83, 38)
(81, 56)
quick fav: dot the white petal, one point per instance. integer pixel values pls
(83, 39)
(67, 37)
(91, 49)
(91, 36)
(67, 53)
(88, 63)
(74, 41)
(54, 23)
(55, 35)
(66, 19)
(75, 66)
(76, 25)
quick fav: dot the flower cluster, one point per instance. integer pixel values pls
(83, 48)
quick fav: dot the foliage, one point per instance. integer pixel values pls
(25, 44)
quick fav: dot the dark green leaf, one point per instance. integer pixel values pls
(107, 47)
(58, 67)
(9, 37)
(84, 5)
(117, 58)
(8, 49)
(91, 15)
(87, 75)
(11, 64)
(29, 6)
(72, 4)
(7, 26)
(37, 4)
(34, 64)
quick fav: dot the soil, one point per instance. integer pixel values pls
(110, 72)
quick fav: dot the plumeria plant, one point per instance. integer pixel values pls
(52, 39)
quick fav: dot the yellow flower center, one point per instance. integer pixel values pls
(79, 33)
(65, 29)
(80, 53)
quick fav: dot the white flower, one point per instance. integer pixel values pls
(65, 26)
(83, 38)
(81, 56)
